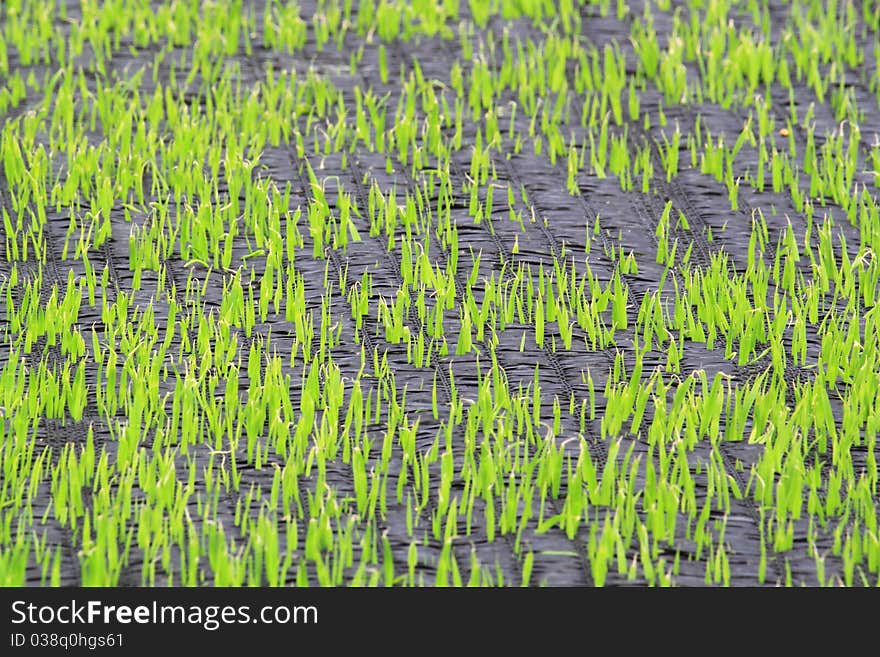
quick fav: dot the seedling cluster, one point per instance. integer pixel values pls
(385, 293)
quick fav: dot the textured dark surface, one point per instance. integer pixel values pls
(628, 220)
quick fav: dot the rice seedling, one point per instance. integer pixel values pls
(279, 311)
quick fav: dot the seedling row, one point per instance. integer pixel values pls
(439, 294)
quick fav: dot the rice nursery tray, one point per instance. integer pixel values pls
(439, 293)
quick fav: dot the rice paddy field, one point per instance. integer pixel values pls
(439, 293)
